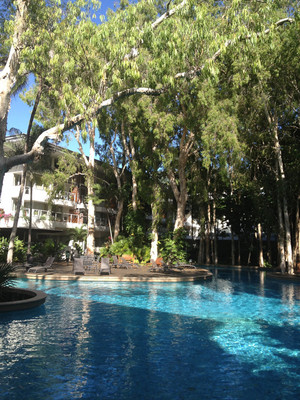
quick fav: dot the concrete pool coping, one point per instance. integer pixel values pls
(63, 272)
(29, 298)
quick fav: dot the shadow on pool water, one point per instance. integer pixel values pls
(84, 349)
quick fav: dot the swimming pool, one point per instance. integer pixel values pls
(234, 337)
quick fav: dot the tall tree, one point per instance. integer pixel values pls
(204, 40)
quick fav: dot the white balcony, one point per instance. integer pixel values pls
(44, 219)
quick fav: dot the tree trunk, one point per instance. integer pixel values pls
(200, 258)
(288, 239)
(13, 234)
(30, 221)
(8, 78)
(280, 236)
(250, 251)
(22, 187)
(154, 244)
(9, 74)
(90, 240)
(273, 122)
(239, 249)
(261, 252)
(232, 248)
(117, 227)
(269, 248)
(120, 200)
(207, 235)
(297, 237)
(215, 225)
(180, 193)
(155, 209)
(130, 154)
(90, 164)
(110, 230)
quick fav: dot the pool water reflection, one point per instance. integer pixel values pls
(234, 337)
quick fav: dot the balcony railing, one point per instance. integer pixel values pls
(65, 196)
(45, 215)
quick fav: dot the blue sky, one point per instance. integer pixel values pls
(19, 114)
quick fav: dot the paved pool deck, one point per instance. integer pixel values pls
(63, 272)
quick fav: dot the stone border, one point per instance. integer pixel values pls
(34, 298)
(132, 278)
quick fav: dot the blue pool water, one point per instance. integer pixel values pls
(236, 336)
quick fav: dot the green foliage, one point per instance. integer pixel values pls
(6, 278)
(127, 245)
(173, 247)
(121, 246)
(135, 224)
(19, 250)
(3, 249)
(78, 248)
(78, 234)
(47, 248)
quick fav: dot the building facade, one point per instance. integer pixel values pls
(49, 219)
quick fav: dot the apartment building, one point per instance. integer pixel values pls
(49, 219)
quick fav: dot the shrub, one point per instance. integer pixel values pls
(6, 278)
(121, 246)
(19, 250)
(173, 247)
(3, 249)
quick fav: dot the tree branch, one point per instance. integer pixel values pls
(134, 51)
(197, 71)
(55, 132)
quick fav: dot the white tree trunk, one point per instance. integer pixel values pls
(90, 164)
(154, 244)
(207, 235)
(280, 236)
(180, 215)
(156, 212)
(232, 247)
(117, 227)
(90, 240)
(215, 225)
(261, 253)
(297, 237)
(288, 239)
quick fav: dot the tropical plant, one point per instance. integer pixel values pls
(19, 253)
(6, 278)
(173, 247)
(3, 249)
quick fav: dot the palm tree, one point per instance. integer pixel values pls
(78, 235)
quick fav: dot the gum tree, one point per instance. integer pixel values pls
(133, 52)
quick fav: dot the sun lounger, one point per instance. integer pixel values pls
(115, 262)
(155, 267)
(104, 266)
(78, 268)
(183, 266)
(158, 265)
(47, 267)
(89, 263)
(124, 263)
(120, 263)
